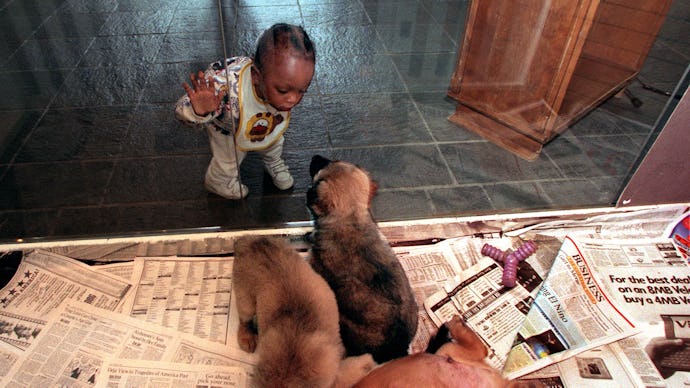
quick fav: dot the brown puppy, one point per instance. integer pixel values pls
(295, 314)
(378, 312)
(458, 363)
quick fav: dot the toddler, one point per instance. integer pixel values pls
(245, 105)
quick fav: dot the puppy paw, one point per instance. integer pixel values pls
(246, 338)
(353, 369)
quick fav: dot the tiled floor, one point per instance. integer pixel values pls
(89, 145)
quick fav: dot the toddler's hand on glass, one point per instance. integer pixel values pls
(202, 94)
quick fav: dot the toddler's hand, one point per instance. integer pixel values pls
(202, 94)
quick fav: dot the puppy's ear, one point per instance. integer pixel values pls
(373, 187)
(318, 162)
(441, 338)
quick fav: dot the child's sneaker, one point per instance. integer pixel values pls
(232, 190)
(280, 174)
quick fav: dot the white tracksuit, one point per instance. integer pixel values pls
(224, 166)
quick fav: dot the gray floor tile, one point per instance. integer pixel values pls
(610, 187)
(164, 81)
(19, 224)
(262, 17)
(426, 72)
(406, 38)
(344, 13)
(88, 6)
(401, 205)
(575, 193)
(126, 219)
(405, 12)
(31, 89)
(520, 196)
(72, 25)
(196, 20)
(77, 134)
(149, 5)
(593, 156)
(153, 131)
(334, 40)
(478, 162)
(450, 15)
(358, 74)
(308, 127)
(32, 7)
(373, 119)
(15, 127)
(47, 54)
(121, 50)
(435, 108)
(191, 47)
(273, 211)
(117, 85)
(172, 178)
(138, 22)
(463, 199)
(54, 185)
(390, 166)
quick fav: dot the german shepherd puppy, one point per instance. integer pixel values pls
(378, 312)
(289, 316)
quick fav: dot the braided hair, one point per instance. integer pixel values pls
(283, 36)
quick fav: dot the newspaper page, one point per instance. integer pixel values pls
(8, 357)
(427, 267)
(79, 339)
(493, 311)
(124, 270)
(134, 373)
(571, 313)
(477, 294)
(191, 294)
(645, 223)
(623, 363)
(42, 281)
(430, 267)
(650, 279)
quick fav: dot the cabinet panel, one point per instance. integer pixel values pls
(515, 59)
(532, 67)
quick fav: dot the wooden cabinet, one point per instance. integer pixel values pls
(528, 69)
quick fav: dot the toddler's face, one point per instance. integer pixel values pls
(284, 79)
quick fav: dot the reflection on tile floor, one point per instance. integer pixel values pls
(89, 145)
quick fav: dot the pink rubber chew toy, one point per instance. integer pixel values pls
(494, 253)
(510, 260)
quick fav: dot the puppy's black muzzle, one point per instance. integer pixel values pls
(312, 195)
(318, 163)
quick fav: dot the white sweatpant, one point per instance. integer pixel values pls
(226, 159)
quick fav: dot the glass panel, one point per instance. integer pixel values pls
(89, 144)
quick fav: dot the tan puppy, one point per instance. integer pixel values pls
(289, 316)
(378, 312)
(458, 363)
